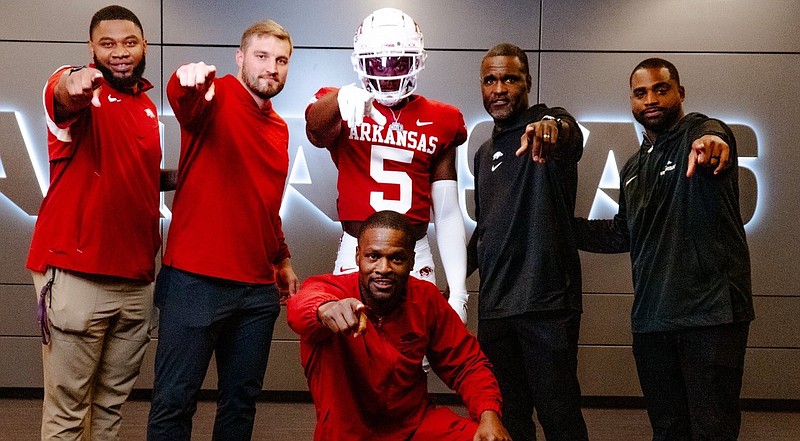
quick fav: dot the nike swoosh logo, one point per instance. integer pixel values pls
(629, 180)
(343, 270)
(423, 123)
(494, 167)
(111, 99)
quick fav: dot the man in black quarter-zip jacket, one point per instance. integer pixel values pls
(529, 308)
(691, 266)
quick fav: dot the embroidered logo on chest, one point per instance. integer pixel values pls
(667, 168)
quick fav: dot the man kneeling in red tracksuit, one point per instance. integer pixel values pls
(362, 339)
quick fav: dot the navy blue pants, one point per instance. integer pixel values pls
(691, 380)
(200, 316)
(535, 359)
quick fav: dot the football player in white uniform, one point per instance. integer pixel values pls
(394, 149)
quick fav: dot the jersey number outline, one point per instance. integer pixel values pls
(379, 154)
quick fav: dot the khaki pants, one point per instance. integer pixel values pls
(99, 332)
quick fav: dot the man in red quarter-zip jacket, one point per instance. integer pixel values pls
(363, 336)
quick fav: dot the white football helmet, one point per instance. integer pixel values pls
(385, 37)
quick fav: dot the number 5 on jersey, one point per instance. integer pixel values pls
(379, 173)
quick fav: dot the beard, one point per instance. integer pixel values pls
(503, 114)
(264, 92)
(669, 116)
(122, 83)
(507, 113)
(382, 301)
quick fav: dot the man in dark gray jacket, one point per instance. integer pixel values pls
(691, 266)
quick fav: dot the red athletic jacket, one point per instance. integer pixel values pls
(372, 387)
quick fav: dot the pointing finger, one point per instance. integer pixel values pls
(96, 97)
(377, 116)
(524, 142)
(210, 92)
(362, 320)
(96, 86)
(692, 163)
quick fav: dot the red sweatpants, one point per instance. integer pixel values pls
(442, 424)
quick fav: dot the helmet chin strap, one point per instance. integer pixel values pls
(391, 98)
(389, 103)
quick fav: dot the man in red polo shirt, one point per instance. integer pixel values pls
(96, 237)
(395, 150)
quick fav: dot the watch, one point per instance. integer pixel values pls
(557, 120)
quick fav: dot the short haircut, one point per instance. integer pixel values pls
(510, 50)
(264, 28)
(657, 63)
(114, 12)
(391, 220)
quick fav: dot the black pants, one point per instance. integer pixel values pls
(691, 381)
(535, 361)
(201, 316)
